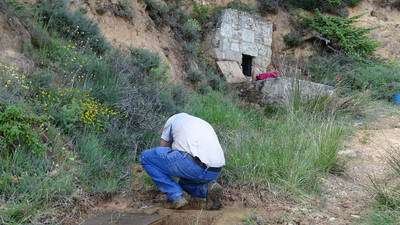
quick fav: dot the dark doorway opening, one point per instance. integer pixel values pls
(247, 64)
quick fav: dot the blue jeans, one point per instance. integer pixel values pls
(163, 163)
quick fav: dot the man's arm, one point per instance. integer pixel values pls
(164, 143)
(166, 136)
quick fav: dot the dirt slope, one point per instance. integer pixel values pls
(386, 22)
(137, 32)
(345, 198)
(12, 36)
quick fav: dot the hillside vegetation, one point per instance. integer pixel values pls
(71, 130)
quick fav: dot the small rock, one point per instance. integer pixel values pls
(348, 153)
(356, 216)
(379, 15)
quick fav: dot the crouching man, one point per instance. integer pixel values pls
(189, 150)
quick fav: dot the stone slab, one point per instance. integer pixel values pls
(280, 90)
(231, 71)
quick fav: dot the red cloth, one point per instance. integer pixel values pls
(263, 76)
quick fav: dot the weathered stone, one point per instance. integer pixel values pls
(248, 36)
(263, 62)
(249, 49)
(262, 50)
(280, 90)
(235, 46)
(232, 71)
(241, 33)
(226, 30)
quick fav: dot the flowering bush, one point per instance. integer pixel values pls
(20, 129)
(74, 26)
(95, 114)
(72, 108)
(12, 83)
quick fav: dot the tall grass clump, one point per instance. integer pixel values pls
(381, 79)
(386, 209)
(291, 149)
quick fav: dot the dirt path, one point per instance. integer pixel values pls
(345, 198)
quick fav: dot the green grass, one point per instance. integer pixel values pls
(101, 167)
(381, 79)
(32, 185)
(290, 150)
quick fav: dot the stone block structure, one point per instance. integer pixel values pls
(281, 90)
(242, 39)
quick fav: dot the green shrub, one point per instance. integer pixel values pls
(123, 9)
(144, 59)
(269, 6)
(158, 11)
(20, 129)
(239, 5)
(41, 80)
(201, 13)
(101, 167)
(327, 6)
(72, 109)
(191, 30)
(351, 3)
(39, 37)
(73, 26)
(14, 85)
(195, 76)
(216, 82)
(352, 40)
(204, 88)
(332, 6)
(32, 184)
(214, 79)
(192, 49)
(381, 79)
(292, 39)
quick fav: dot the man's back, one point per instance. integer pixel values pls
(195, 136)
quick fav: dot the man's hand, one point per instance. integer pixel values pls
(164, 143)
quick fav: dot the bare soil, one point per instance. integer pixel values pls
(137, 32)
(385, 24)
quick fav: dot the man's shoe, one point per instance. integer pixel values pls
(214, 196)
(197, 203)
(178, 204)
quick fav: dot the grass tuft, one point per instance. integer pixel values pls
(291, 149)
